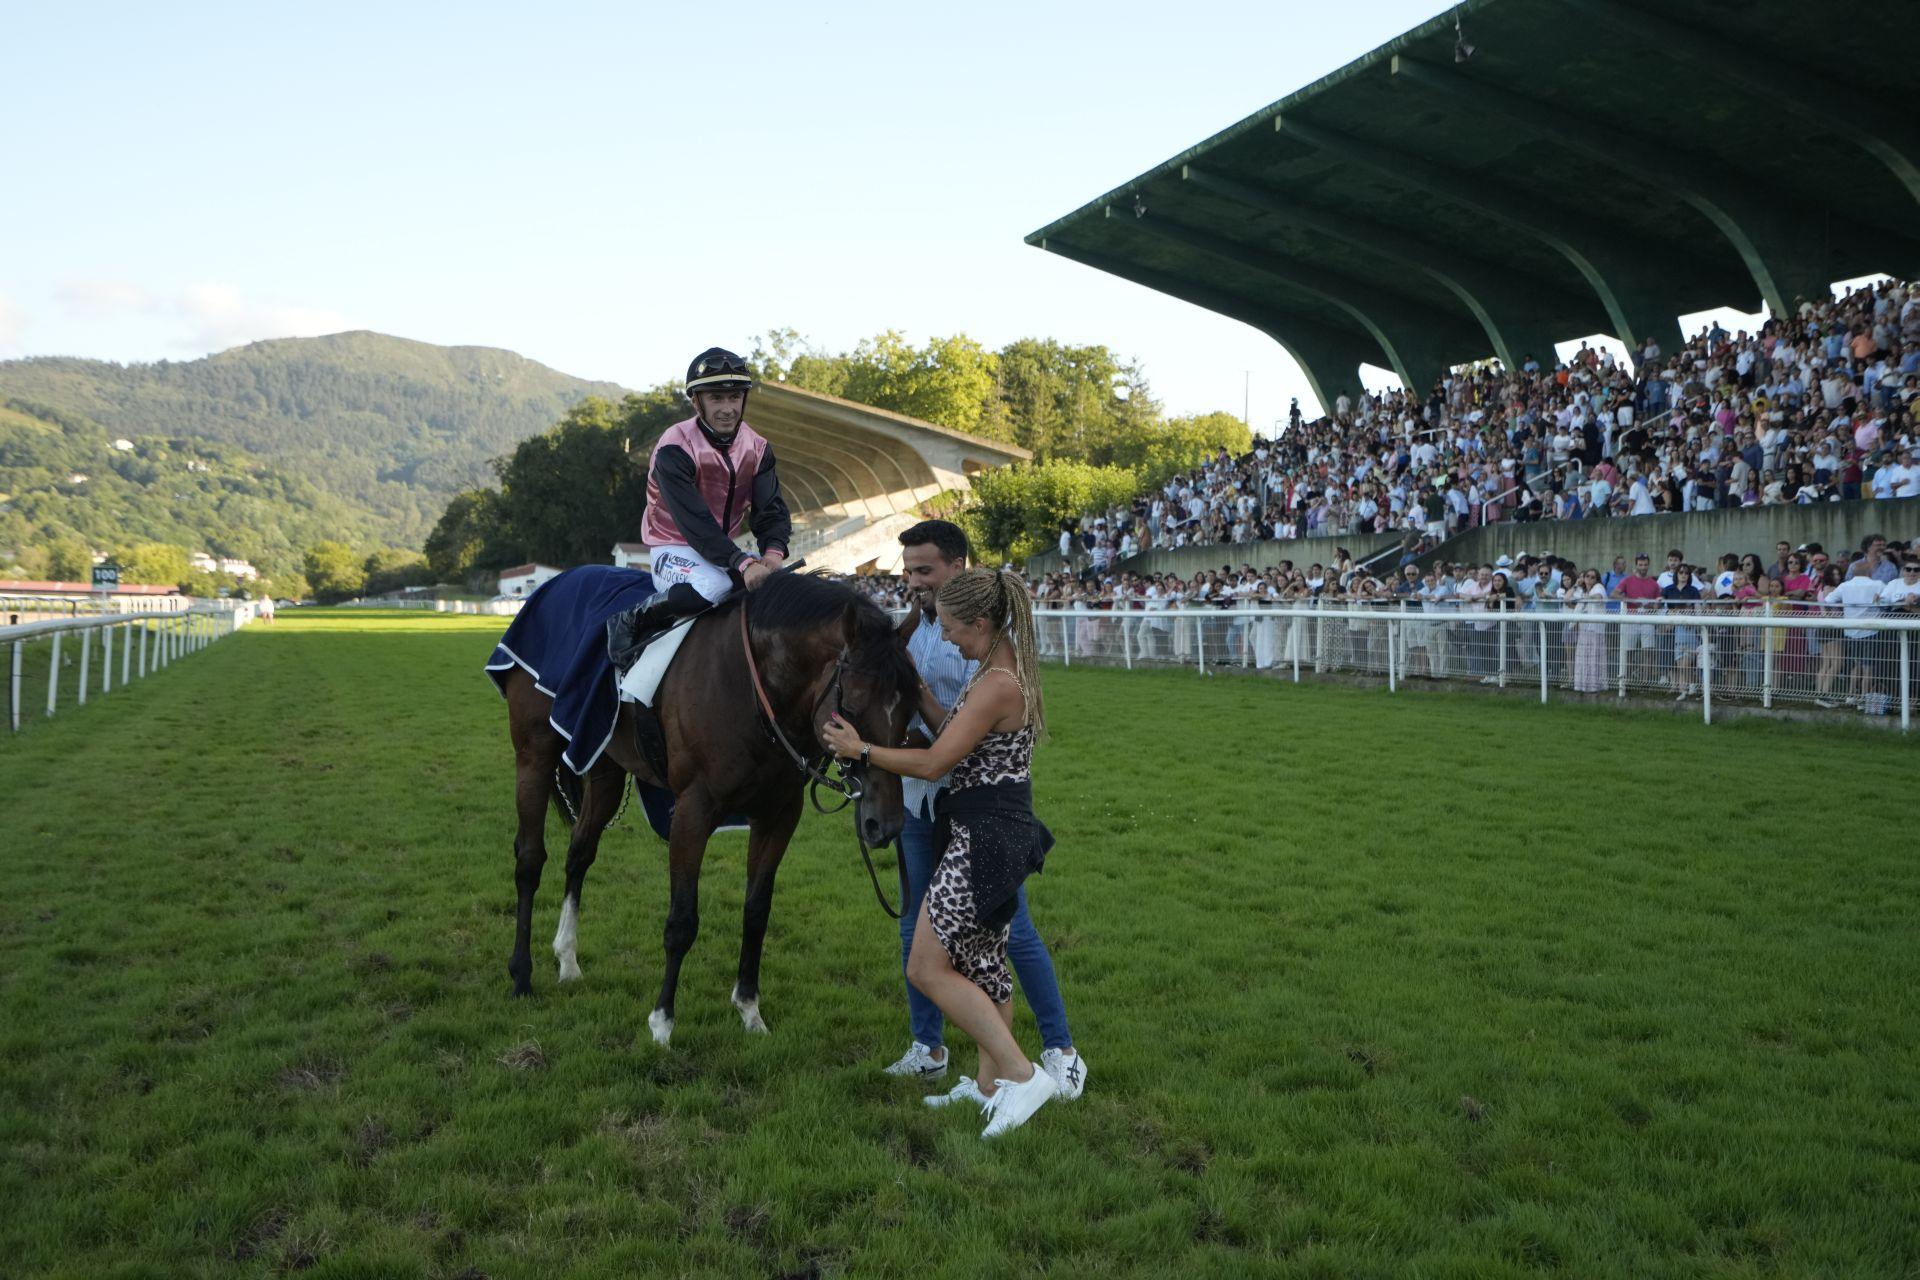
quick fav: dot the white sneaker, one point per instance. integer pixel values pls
(965, 1091)
(1013, 1104)
(1068, 1069)
(919, 1063)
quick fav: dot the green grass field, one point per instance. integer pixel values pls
(1370, 985)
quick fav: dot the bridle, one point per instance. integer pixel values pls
(851, 785)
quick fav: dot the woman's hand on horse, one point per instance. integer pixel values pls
(841, 737)
(755, 573)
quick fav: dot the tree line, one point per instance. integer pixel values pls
(1098, 436)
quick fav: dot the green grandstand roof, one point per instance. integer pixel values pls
(1594, 166)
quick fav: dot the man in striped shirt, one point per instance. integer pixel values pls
(933, 551)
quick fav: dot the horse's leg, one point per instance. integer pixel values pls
(605, 784)
(535, 756)
(766, 845)
(694, 819)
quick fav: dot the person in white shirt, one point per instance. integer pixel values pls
(1640, 497)
(1860, 598)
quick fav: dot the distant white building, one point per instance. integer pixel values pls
(523, 578)
(631, 555)
(77, 477)
(236, 568)
(203, 562)
(123, 444)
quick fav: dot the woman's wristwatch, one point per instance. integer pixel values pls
(866, 752)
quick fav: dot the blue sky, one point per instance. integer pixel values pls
(610, 188)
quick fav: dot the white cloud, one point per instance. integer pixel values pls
(201, 317)
(100, 297)
(220, 317)
(12, 324)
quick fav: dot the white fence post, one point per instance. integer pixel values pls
(13, 703)
(106, 660)
(86, 662)
(1905, 687)
(126, 651)
(1066, 641)
(1503, 653)
(1200, 641)
(143, 648)
(1706, 675)
(1766, 662)
(1543, 662)
(1126, 640)
(1392, 687)
(53, 675)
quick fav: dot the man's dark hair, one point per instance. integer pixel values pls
(948, 538)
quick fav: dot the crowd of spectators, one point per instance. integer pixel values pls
(1837, 665)
(1813, 406)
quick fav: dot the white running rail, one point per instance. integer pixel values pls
(1809, 658)
(130, 646)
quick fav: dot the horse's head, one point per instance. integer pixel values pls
(875, 687)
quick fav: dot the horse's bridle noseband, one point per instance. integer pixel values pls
(851, 785)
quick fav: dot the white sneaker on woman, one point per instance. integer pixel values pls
(1068, 1069)
(1012, 1104)
(918, 1062)
(965, 1091)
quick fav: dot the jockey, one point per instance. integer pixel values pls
(709, 476)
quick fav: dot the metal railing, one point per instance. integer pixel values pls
(136, 643)
(1804, 655)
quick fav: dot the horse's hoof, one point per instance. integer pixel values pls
(661, 1026)
(522, 989)
(750, 1014)
(569, 969)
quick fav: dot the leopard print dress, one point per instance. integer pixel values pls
(979, 953)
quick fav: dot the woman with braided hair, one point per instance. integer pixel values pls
(987, 829)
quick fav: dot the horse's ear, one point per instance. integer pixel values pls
(850, 621)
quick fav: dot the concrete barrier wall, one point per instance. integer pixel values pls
(1703, 536)
(1186, 561)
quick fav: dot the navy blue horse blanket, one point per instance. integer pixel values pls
(559, 638)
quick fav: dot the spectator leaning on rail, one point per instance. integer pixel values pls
(932, 552)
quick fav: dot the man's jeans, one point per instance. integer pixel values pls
(1031, 963)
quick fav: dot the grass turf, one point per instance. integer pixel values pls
(1369, 985)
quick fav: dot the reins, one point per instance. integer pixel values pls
(847, 786)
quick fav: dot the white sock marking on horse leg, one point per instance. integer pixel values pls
(564, 940)
(661, 1026)
(749, 1012)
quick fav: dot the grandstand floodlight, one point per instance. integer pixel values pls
(1461, 49)
(1139, 206)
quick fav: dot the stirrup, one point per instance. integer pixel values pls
(630, 631)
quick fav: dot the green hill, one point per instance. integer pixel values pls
(63, 477)
(387, 427)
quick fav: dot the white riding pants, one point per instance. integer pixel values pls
(680, 564)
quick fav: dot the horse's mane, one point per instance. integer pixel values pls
(801, 602)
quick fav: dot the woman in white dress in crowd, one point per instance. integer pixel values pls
(1587, 596)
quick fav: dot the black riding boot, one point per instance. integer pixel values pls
(628, 632)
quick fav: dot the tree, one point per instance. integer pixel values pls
(1157, 451)
(393, 569)
(571, 492)
(1071, 402)
(70, 559)
(471, 534)
(1017, 511)
(163, 563)
(335, 571)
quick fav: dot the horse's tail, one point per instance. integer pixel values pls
(568, 792)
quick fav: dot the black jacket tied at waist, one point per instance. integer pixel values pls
(1006, 843)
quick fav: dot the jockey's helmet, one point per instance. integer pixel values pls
(717, 369)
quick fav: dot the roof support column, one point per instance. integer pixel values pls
(1331, 359)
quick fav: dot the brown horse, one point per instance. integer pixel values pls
(817, 646)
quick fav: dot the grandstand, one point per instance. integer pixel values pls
(855, 475)
(1516, 173)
